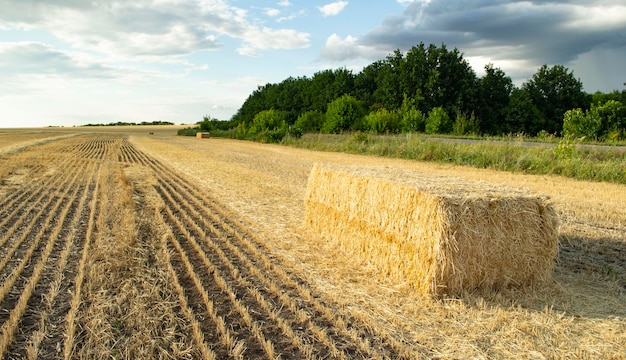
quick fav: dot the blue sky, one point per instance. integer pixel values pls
(72, 62)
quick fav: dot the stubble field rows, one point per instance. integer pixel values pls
(233, 298)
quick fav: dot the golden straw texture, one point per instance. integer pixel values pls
(440, 235)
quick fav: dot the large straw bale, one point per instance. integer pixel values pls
(440, 235)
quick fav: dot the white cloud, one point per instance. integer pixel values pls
(144, 28)
(333, 8)
(337, 49)
(267, 38)
(284, 3)
(18, 59)
(272, 12)
(407, 2)
(291, 16)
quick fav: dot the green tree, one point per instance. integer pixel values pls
(521, 115)
(342, 114)
(327, 85)
(388, 90)
(366, 84)
(438, 121)
(494, 92)
(554, 91)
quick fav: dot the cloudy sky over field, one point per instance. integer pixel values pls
(72, 62)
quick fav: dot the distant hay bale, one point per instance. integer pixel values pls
(203, 135)
(440, 235)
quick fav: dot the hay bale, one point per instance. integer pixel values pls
(203, 135)
(441, 235)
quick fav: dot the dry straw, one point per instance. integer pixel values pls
(441, 235)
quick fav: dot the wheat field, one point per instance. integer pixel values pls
(115, 243)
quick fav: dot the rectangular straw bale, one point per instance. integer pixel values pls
(440, 235)
(203, 135)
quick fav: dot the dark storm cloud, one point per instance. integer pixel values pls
(534, 30)
(525, 33)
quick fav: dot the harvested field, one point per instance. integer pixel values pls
(121, 244)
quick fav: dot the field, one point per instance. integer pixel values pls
(115, 243)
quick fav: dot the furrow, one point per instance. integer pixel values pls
(243, 324)
(94, 210)
(197, 333)
(28, 344)
(33, 196)
(23, 259)
(278, 307)
(16, 314)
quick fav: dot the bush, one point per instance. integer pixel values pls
(464, 125)
(342, 114)
(187, 131)
(411, 119)
(382, 121)
(310, 121)
(600, 122)
(267, 120)
(438, 122)
(612, 115)
(576, 124)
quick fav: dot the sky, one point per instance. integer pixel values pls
(74, 62)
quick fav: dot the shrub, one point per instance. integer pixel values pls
(565, 149)
(382, 121)
(411, 119)
(464, 125)
(342, 114)
(576, 124)
(267, 120)
(438, 121)
(310, 121)
(187, 131)
(612, 115)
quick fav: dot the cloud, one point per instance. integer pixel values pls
(37, 59)
(521, 34)
(291, 16)
(338, 49)
(267, 38)
(333, 8)
(271, 12)
(144, 28)
(284, 3)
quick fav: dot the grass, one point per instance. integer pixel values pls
(565, 159)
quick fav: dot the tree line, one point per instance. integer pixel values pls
(429, 89)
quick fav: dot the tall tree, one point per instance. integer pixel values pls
(554, 91)
(388, 90)
(494, 91)
(365, 84)
(521, 115)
